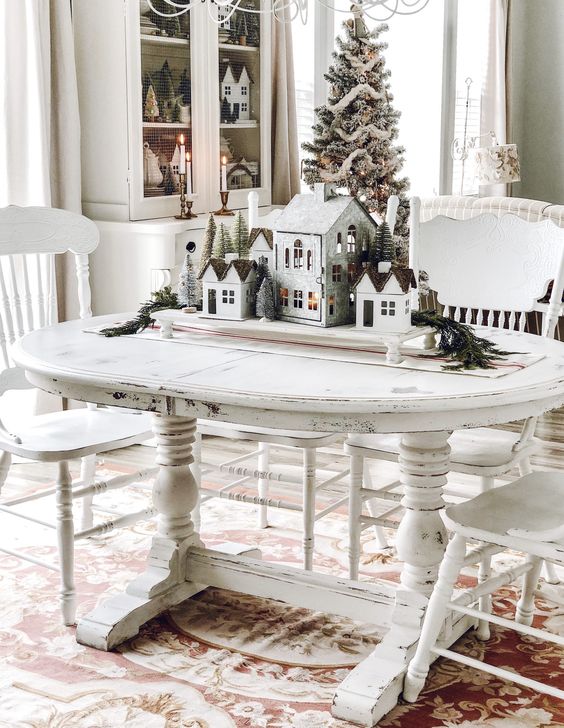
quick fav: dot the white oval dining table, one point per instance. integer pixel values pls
(277, 388)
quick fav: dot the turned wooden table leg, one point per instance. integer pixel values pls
(163, 583)
(422, 539)
(373, 687)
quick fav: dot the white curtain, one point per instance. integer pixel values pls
(285, 150)
(40, 125)
(494, 88)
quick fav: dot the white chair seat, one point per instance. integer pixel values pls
(78, 433)
(529, 506)
(291, 438)
(470, 449)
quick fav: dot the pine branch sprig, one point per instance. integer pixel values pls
(165, 298)
(459, 343)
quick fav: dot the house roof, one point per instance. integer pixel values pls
(255, 232)
(242, 267)
(236, 69)
(404, 276)
(307, 214)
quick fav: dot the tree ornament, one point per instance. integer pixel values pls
(240, 235)
(265, 307)
(355, 133)
(187, 291)
(151, 105)
(222, 242)
(207, 246)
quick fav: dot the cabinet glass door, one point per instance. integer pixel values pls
(166, 99)
(239, 40)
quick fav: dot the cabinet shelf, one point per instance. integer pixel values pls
(241, 125)
(164, 125)
(164, 40)
(237, 48)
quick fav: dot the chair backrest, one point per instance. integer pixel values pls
(490, 270)
(30, 237)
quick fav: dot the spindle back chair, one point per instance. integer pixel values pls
(30, 238)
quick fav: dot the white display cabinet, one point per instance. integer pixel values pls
(144, 82)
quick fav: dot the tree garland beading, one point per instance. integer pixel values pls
(459, 343)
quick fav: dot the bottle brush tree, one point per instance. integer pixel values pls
(356, 131)
(187, 291)
(266, 308)
(222, 244)
(240, 235)
(207, 246)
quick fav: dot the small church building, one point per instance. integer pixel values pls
(383, 299)
(228, 288)
(319, 243)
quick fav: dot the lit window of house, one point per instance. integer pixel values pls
(336, 274)
(351, 239)
(283, 295)
(243, 90)
(309, 259)
(331, 302)
(298, 255)
(312, 301)
(298, 299)
(227, 91)
(228, 296)
(287, 258)
(339, 243)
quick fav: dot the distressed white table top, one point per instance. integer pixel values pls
(279, 389)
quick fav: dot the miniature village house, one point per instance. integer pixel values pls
(228, 288)
(318, 243)
(235, 92)
(383, 299)
(260, 245)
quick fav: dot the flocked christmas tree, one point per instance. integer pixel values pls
(222, 243)
(355, 133)
(262, 270)
(207, 246)
(240, 235)
(187, 291)
(265, 298)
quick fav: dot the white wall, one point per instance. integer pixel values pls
(537, 102)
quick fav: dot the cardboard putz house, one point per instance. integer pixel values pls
(383, 299)
(228, 288)
(318, 243)
(235, 91)
(261, 244)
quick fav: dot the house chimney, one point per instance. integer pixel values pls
(253, 203)
(230, 257)
(324, 191)
(383, 266)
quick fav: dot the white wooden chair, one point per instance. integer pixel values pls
(29, 239)
(247, 474)
(526, 515)
(486, 270)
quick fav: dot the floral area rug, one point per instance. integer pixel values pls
(226, 660)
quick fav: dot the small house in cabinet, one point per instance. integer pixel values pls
(320, 242)
(235, 92)
(383, 299)
(228, 288)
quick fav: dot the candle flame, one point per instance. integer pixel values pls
(224, 160)
(188, 156)
(182, 139)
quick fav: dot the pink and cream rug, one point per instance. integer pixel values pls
(225, 660)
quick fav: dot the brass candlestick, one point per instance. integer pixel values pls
(186, 201)
(224, 209)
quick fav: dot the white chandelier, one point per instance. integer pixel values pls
(379, 10)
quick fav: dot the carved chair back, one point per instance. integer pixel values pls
(30, 237)
(490, 270)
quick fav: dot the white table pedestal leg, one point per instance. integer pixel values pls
(373, 687)
(163, 584)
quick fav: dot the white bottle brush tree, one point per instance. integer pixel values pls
(266, 309)
(187, 290)
(355, 133)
